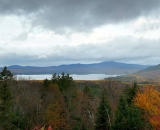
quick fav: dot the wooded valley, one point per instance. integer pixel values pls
(60, 103)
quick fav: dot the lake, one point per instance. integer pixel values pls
(74, 76)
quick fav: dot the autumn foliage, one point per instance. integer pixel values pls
(56, 113)
(149, 100)
(63, 104)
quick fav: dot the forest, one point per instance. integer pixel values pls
(60, 103)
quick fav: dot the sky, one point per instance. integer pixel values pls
(55, 32)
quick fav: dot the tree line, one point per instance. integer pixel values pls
(59, 104)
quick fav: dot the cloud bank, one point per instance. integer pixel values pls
(50, 32)
(62, 16)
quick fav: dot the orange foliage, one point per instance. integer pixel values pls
(149, 101)
(56, 113)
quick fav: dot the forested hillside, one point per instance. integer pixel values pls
(60, 103)
(150, 74)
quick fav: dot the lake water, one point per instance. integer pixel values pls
(74, 76)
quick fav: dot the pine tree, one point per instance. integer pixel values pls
(67, 88)
(128, 116)
(5, 105)
(135, 121)
(130, 92)
(5, 75)
(102, 121)
(5, 100)
(46, 83)
(120, 122)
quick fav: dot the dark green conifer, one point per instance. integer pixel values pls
(5, 106)
(5, 75)
(102, 121)
(5, 100)
(128, 116)
(67, 88)
(130, 92)
(46, 83)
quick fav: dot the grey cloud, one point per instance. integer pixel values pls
(13, 59)
(142, 51)
(78, 15)
(148, 27)
(22, 37)
(121, 49)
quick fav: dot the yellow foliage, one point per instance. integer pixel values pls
(149, 101)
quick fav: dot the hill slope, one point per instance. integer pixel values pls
(152, 72)
(95, 68)
(149, 75)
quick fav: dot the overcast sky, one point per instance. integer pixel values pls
(54, 32)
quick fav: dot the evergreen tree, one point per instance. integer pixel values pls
(46, 82)
(135, 121)
(128, 116)
(130, 92)
(5, 106)
(5, 75)
(64, 81)
(5, 100)
(102, 121)
(120, 122)
(67, 88)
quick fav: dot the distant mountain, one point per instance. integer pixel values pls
(152, 72)
(109, 68)
(151, 68)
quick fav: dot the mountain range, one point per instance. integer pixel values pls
(109, 68)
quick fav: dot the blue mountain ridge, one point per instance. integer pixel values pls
(107, 67)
